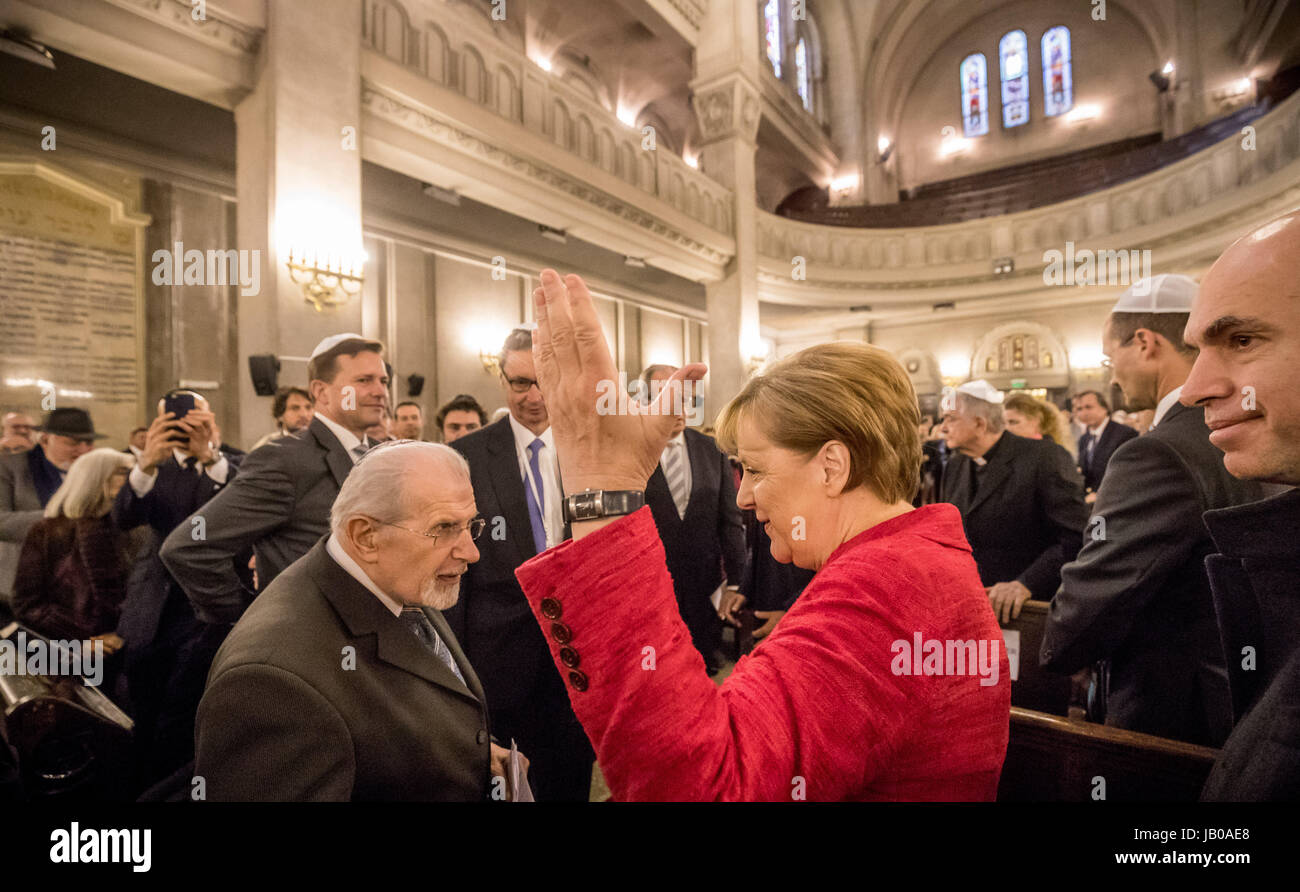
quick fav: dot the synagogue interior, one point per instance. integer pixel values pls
(944, 253)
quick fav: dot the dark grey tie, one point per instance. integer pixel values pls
(429, 637)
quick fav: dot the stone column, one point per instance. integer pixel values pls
(298, 182)
(727, 107)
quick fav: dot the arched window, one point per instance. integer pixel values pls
(803, 73)
(1013, 50)
(772, 33)
(974, 95)
(1058, 75)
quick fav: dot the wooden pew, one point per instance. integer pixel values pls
(1036, 688)
(1054, 759)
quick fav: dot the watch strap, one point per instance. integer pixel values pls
(594, 504)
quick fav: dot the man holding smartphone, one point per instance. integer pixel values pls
(168, 651)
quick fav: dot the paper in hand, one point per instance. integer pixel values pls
(519, 789)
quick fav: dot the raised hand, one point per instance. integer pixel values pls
(598, 448)
(162, 438)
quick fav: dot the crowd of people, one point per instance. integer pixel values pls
(347, 611)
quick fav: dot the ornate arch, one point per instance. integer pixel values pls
(1022, 350)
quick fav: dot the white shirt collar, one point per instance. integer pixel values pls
(353, 569)
(181, 457)
(524, 437)
(349, 440)
(1096, 431)
(1166, 403)
(679, 439)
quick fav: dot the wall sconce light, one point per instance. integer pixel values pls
(954, 369)
(1083, 114)
(491, 364)
(842, 187)
(884, 148)
(953, 145)
(327, 280)
(754, 363)
(1163, 78)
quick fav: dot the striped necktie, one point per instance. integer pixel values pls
(359, 450)
(675, 472)
(430, 638)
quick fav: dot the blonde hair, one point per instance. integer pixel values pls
(82, 491)
(1050, 422)
(854, 393)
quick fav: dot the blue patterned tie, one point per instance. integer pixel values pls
(430, 638)
(536, 501)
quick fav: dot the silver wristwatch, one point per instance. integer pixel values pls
(597, 503)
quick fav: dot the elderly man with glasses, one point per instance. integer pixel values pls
(342, 681)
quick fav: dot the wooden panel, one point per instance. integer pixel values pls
(1036, 688)
(1052, 759)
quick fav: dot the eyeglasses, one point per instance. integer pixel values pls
(521, 385)
(448, 530)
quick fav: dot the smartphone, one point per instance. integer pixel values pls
(179, 404)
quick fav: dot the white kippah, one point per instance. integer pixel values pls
(981, 390)
(333, 341)
(1165, 293)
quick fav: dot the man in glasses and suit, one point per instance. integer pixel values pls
(516, 480)
(342, 681)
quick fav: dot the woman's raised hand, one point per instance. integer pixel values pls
(603, 439)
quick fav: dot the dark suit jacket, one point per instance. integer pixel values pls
(492, 620)
(176, 494)
(1112, 437)
(279, 504)
(769, 584)
(20, 510)
(710, 537)
(1138, 594)
(1028, 513)
(1255, 578)
(319, 693)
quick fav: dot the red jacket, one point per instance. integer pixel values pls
(831, 706)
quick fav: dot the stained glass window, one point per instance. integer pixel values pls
(974, 95)
(1014, 52)
(803, 79)
(772, 33)
(1058, 82)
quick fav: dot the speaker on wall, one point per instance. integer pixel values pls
(414, 385)
(264, 369)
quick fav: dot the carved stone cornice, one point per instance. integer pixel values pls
(214, 28)
(727, 108)
(447, 133)
(693, 11)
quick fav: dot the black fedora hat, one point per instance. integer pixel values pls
(73, 423)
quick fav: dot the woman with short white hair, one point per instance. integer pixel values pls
(72, 570)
